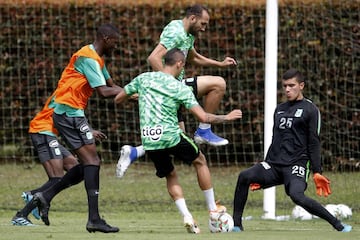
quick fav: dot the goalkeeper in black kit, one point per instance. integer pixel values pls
(295, 149)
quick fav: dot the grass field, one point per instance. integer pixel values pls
(140, 206)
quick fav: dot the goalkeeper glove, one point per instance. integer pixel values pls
(322, 185)
(254, 186)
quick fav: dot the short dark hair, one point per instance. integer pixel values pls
(173, 56)
(293, 73)
(196, 10)
(108, 30)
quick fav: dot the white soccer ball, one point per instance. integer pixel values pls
(332, 208)
(300, 213)
(343, 211)
(224, 223)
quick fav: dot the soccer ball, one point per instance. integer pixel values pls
(300, 213)
(340, 211)
(344, 211)
(224, 223)
(332, 208)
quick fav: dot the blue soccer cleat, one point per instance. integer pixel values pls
(27, 198)
(237, 229)
(347, 228)
(206, 136)
(21, 221)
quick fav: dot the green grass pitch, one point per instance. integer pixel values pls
(139, 204)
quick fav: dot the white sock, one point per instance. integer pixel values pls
(181, 205)
(204, 125)
(140, 151)
(210, 199)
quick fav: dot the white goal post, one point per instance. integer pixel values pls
(271, 49)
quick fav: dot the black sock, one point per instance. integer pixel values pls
(72, 177)
(27, 209)
(46, 185)
(91, 179)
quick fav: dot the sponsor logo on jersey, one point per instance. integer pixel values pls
(299, 112)
(53, 143)
(154, 133)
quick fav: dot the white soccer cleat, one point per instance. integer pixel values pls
(191, 226)
(124, 161)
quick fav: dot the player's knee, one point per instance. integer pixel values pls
(244, 178)
(220, 83)
(200, 161)
(70, 162)
(297, 197)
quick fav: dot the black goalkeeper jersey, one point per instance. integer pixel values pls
(296, 134)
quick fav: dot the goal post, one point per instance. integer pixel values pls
(271, 48)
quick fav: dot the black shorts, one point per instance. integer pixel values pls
(48, 147)
(269, 175)
(76, 131)
(186, 150)
(192, 83)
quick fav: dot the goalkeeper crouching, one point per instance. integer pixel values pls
(295, 149)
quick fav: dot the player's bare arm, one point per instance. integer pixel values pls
(105, 91)
(200, 60)
(121, 97)
(155, 57)
(203, 116)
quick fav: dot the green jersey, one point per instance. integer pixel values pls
(160, 96)
(175, 36)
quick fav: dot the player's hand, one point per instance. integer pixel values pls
(134, 97)
(255, 186)
(98, 135)
(228, 61)
(322, 185)
(234, 114)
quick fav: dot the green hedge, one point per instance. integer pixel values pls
(321, 39)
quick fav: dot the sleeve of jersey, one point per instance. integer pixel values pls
(169, 38)
(187, 97)
(314, 140)
(132, 87)
(105, 73)
(91, 69)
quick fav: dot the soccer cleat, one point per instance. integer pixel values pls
(21, 221)
(237, 229)
(43, 206)
(100, 226)
(124, 160)
(27, 198)
(206, 136)
(347, 228)
(191, 226)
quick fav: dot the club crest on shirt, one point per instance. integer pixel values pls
(53, 144)
(299, 112)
